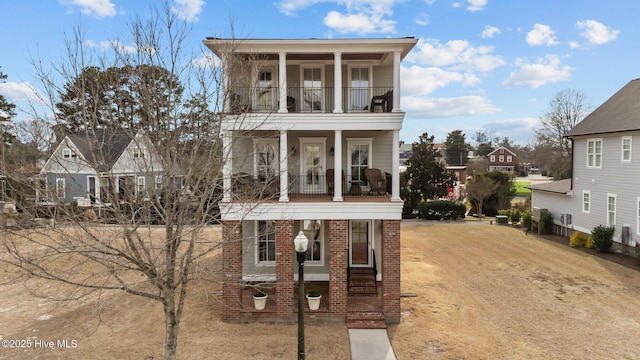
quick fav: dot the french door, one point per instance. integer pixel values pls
(312, 165)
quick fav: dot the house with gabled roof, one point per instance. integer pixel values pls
(604, 187)
(502, 159)
(93, 167)
(311, 137)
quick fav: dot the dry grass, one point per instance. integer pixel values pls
(484, 292)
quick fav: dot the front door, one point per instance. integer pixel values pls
(359, 244)
(312, 165)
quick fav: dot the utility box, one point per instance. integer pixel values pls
(502, 220)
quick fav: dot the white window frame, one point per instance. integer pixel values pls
(492, 158)
(320, 237)
(370, 241)
(368, 95)
(625, 155)
(594, 157)
(586, 201)
(141, 184)
(303, 105)
(274, 166)
(66, 153)
(61, 191)
(138, 153)
(509, 158)
(501, 158)
(368, 142)
(611, 210)
(268, 239)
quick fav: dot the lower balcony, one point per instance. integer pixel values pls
(307, 187)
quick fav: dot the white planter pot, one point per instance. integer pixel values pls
(314, 302)
(260, 302)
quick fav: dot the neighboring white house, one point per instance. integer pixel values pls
(311, 138)
(605, 185)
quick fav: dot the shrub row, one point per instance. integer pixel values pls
(442, 210)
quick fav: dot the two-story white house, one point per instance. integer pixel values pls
(604, 188)
(311, 143)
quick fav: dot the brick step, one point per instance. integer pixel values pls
(362, 290)
(366, 320)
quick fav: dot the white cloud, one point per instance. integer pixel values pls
(476, 5)
(545, 71)
(457, 55)
(358, 23)
(596, 33)
(422, 19)
(489, 32)
(541, 35)
(418, 80)
(448, 107)
(17, 92)
(96, 8)
(207, 60)
(574, 44)
(111, 44)
(188, 10)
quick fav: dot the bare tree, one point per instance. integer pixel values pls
(480, 188)
(566, 109)
(176, 180)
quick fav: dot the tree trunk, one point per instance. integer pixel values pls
(172, 323)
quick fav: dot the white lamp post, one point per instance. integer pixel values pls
(300, 243)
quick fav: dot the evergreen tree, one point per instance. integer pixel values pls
(426, 175)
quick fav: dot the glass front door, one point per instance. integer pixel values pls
(312, 165)
(359, 249)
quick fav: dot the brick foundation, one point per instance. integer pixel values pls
(285, 259)
(231, 270)
(338, 263)
(391, 270)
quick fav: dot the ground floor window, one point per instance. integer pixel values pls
(611, 209)
(313, 230)
(266, 242)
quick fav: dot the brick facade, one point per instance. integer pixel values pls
(391, 270)
(285, 259)
(231, 270)
(338, 263)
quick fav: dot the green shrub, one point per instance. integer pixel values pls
(515, 216)
(602, 237)
(546, 221)
(579, 239)
(442, 210)
(526, 219)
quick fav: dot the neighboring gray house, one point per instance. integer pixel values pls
(90, 167)
(605, 186)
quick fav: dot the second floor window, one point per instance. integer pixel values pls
(626, 148)
(586, 201)
(594, 153)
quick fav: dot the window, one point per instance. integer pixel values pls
(158, 182)
(359, 159)
(509, 158)
(594, 153)
(138, 153)
(493, 158)
(67, 153)
(626, 149)
(266, 159)
(266, 241)
(141, 183)
(313, 231)
(312, 88)
(501, 158)
(359, 88)
(611, 209)
(586, 201)
(61, 189)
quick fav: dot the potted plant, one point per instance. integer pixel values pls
(313, 298)
(259, 300)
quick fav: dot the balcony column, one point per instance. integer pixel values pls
(226, 166)
(396, 82)
(337, 166)
(282, 82)
(395, 166)
(284, 178)
(337, 80)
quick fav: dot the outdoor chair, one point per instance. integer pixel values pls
(376, 180)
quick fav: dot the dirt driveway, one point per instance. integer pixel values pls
(490, 292)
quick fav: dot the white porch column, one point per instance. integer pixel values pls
(284, 171)
(396, 82)
(226, 166)
(337, 166)
(395, 167)
(282, 82)
(337, 81)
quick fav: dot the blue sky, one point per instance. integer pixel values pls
(479, 65)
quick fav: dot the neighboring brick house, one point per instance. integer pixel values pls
(311, 142)
(502, 159)
(604, 187)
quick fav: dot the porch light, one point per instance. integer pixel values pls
(300, 243)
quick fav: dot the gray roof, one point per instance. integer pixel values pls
(619, 113)
(102, 147)
(557, 187)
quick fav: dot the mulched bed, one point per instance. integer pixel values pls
(618, 258)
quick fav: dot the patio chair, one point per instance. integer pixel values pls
(330, 180)
(377, 182)
(383, 102)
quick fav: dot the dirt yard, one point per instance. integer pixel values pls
(483, 292)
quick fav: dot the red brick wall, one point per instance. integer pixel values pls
(391, 269)
(231, 270)
(338, 262)
(285, 260)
